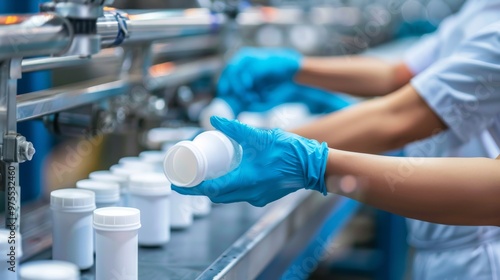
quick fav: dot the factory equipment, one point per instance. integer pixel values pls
(72, 33)
(119, 69)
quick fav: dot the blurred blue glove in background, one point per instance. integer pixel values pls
(318, 101)
(274, 164)
(252, 72)
(258, 79)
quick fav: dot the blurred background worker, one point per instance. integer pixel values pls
(446, 82)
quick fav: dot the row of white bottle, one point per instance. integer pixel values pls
(139, 183)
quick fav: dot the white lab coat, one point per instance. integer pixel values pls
(458, 75)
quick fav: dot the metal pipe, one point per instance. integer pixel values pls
(50, 34)
(32, 35)
(159, 25)
(155, 28)
(195, 44)
(39, 64)
(41, 103)
(190, 44)
(47, 63)
(175, 74)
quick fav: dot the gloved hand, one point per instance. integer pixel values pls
(252, 72)
(274, 164)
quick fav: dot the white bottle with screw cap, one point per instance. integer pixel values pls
(10, 253)
(149, 192)
(154, 158)
(49, 270)
(211, 154)
(108, 176)
(116, 231)
(107, 194)
(72, 237)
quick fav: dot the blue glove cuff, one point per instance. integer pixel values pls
(316, 169)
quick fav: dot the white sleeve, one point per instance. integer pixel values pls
(427, 51)
(464, 89)
(423, 54)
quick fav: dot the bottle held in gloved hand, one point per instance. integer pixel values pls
(210, 155)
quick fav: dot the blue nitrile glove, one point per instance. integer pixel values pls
(274, 164)
(317, 100)
(252, 72)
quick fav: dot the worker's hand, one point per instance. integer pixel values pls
(253, 72)
(274, 164)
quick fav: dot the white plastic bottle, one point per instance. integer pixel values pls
(72, 234)
(201, 206)
(211, 154)
(107, 194)
(154, 158)
(181, 211)
(49, 270)
(150, 193)
(218, 107)
(116, 231)
(109, 176)
(10, 254)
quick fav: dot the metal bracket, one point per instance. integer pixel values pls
(15, 148)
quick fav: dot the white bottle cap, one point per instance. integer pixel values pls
(105, 192)
(72, 200)
(5, 246)
(107, 176)
(152, 156)
(124, 172)
(117, 218)
(149, 184)
(49, 270)
(136, 163)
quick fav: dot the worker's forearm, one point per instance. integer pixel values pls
(356, 75)
(442, 190)
(377, 125)
(358, 128)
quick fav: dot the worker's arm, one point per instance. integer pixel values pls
(377, 125)
(254, 73)
(441, 190)
(275, 163)
(355, 75)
